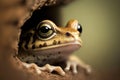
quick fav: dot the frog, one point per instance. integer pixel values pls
(47, 44)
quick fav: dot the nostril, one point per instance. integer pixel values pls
(67, 34)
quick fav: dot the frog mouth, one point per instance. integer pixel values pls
(72, 43)
(61, 48)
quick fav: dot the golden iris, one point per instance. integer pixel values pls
(45, 31)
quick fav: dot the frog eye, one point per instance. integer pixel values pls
(45, 31)
(79, 28)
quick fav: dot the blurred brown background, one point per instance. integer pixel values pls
(101, 34)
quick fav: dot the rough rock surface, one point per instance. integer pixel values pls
(13, 14)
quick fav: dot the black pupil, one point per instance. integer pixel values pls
(79, 28)
(44, 29)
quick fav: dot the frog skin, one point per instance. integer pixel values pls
(48, 44)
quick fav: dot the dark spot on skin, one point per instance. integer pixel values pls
(40, 46)
(33, 46)
(59, 42)
(45, 45)
(67, 34)
(54, 42)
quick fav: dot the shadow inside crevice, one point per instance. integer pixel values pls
(52, 13)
